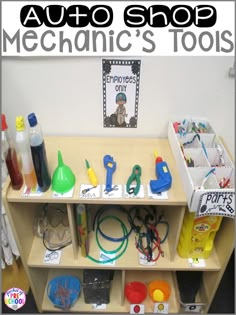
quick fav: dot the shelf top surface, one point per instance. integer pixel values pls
(126, 152)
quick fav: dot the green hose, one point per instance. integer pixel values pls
(125, 231)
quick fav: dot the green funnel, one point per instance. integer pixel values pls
(63, 179)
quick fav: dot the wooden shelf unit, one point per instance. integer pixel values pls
(126, 152)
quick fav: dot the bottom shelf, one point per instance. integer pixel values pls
(80, 306)
(118, 302)
(146, 277)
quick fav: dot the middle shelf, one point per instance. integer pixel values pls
(130, 259)
(71, 255)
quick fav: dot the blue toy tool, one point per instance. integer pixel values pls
(110, 166)
(164, 178)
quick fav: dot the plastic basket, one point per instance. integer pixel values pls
(96, 286)
(63, 291)
(135, 292)
(159, 290)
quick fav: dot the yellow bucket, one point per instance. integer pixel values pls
(197, 235)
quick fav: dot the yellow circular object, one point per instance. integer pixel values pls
(158, 295)
(159, 290)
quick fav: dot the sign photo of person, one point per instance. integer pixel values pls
(121, 79)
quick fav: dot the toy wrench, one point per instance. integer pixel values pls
(110, 166)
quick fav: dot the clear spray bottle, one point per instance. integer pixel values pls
(23, 148)
(10, 157)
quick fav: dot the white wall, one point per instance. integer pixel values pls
(66, 94)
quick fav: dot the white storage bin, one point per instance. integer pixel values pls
(211, 195)
(197, 156)
(198, 174)
(216, 160)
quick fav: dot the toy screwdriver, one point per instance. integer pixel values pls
(164, 178)
(91, 174)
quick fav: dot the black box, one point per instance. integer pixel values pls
(96, 286)
(189, 282)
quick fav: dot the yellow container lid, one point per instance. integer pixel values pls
(20, 123)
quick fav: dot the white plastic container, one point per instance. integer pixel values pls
(210, 198)
(23, 148)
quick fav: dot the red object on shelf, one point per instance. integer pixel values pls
(135, 292)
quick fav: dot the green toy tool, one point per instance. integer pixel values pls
(63, 178)
(135, 176)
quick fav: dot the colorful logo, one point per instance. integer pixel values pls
(14, 298)
(202, 227)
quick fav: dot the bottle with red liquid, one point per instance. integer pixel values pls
(9, 154)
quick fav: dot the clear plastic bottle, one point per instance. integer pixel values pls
(23, 147)
(38, 152)
(10, 157)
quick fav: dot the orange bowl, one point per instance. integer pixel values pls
(159, 290)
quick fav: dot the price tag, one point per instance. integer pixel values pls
(195, 308)
(89, 192)
(161, 308)
(52, 257)
(151, 195)
(140, 194)
(99, 307)
(116, 192)
(137, 309)
(143, 260)
(68, 194)
(106, 256)
(196, 262)
(31, 192)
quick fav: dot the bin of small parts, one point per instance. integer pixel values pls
(205, 167)
(63, 291)
(96, 286)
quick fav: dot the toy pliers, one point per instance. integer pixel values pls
(135, 176)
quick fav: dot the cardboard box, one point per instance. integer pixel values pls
(204, 166)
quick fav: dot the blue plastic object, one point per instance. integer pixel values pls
(63, 291)
(110, 166)
(164, 178)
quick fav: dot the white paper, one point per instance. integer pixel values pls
(115, 193)
(133, 196)
(137, 309)
(31, 192)
(161, 308)
(143, 260)
(92, 192)
(52, 257)
(162, 195)
(99, 306)
(68, 194)
(196, 262)
(106, 256)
